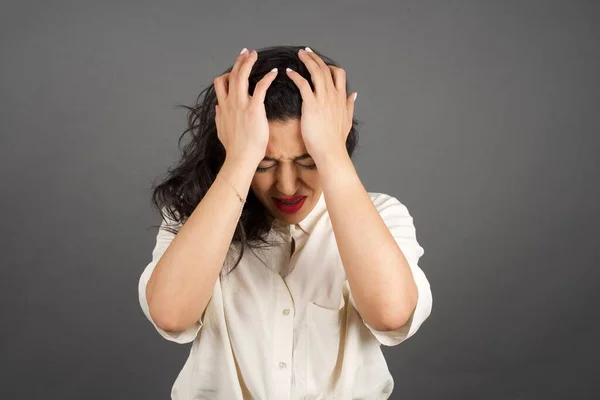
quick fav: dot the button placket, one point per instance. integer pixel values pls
(283, 335)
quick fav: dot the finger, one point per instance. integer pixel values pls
(220, 83)
(217, 114)
(302, 84)
(260, 90)
(326, 73)
(350, 100)
(316, 75)
(339, 78)
(238, 62)
(241, 80)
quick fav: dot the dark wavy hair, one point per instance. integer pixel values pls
(186, 183)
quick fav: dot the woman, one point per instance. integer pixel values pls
(272, 258)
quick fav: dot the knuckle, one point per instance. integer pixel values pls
(240, 75)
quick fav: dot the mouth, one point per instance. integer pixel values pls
(289, 200)
(289, 205)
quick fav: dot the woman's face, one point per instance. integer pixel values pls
(286, 171)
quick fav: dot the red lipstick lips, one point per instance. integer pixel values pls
(289, 205)
(289, 199)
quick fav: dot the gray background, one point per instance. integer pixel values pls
(480, 116)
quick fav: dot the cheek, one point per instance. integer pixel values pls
(313, 179)
(261, 183)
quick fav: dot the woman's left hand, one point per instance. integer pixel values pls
(327, 112)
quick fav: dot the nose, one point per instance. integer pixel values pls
(287, 180)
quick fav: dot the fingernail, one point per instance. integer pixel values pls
(301, 51)
(288, 69)
(355, 95)
(243, 50)
(274, 70)
(309, 49)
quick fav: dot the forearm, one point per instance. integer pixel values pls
(182, 282)
(379, 276)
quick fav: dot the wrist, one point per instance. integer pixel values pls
(336, 156)
(247, 160)
(239, 171)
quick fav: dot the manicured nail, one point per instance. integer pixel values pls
(274, 70)
(288, 69)
(309, 49)
(243, 50)
(355, 95)
(301, 51)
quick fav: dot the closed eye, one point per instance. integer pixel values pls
(263, 169)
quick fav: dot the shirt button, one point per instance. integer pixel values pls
(282, 365)
(286, 311)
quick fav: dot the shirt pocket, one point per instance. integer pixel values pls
(323, 340)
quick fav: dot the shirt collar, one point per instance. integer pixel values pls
(308, 223)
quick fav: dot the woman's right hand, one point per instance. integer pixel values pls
(242, 125)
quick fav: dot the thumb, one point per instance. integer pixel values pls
(217, 117)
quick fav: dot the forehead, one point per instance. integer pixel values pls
(285, 140)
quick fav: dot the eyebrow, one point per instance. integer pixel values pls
(302, 157)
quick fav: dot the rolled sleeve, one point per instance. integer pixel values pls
(163, 240)
(400, 223)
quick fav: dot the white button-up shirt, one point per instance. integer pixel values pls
(284, 326)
